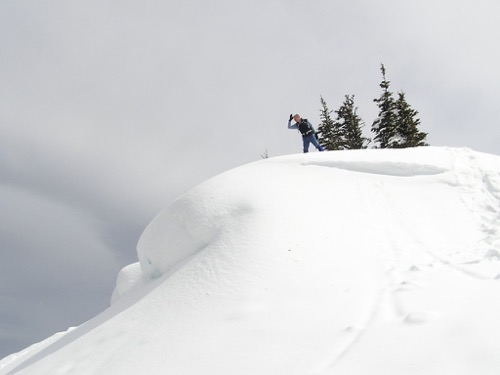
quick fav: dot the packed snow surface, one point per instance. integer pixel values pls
(349, 262)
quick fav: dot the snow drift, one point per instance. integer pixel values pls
(352, 262)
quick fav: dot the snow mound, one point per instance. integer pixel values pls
(352, 262)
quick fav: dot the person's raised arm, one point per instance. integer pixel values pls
(290, 126)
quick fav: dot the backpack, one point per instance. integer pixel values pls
(305, 127)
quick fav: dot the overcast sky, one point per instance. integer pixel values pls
(109, 110)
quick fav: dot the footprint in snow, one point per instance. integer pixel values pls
(421, 317)
(492, 254)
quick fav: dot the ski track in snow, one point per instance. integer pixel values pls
(479, 187)
(378, 201)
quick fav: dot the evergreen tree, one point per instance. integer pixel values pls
(350, 124)
(330, 135)
(408, 123)
(385, 126)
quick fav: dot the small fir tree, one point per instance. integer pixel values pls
(350, 124)
(330, 135)
(408, 123)
(385, 125)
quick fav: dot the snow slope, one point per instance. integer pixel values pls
(353, 262)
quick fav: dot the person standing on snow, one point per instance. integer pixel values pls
(307, 131)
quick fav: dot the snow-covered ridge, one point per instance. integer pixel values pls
(352, 262)
(388, 168)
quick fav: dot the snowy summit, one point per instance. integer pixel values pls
(346, 262)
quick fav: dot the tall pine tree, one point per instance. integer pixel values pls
(385, 126)
(330, 135)
(408, 123)
(350, 124)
